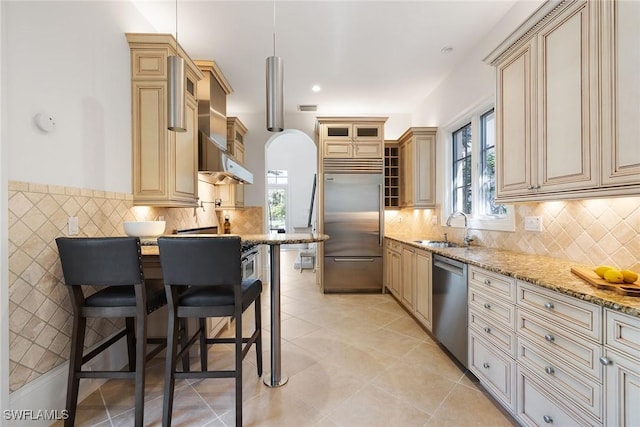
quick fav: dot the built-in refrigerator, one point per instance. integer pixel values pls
(353, 214)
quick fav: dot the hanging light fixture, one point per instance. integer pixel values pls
(175, 89)
(275, 86)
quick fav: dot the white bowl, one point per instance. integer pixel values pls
(144, 228)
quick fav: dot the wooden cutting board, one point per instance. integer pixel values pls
(628, 289)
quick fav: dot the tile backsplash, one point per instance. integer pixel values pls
(39, 311)
(593, 231)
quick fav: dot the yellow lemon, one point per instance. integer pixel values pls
(601, 269)
(613, 276)
(629, 276)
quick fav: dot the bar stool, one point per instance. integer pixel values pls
(210, 268)
(113, 266)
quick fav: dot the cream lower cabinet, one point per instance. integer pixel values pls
(393, 267)
(165, 163)
(621, 363)
(407, 290)
(422, 277)
(492, 338)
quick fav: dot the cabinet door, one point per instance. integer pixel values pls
(620, 92)
(406, 174)
(184, 180)
(337, 131)
(368, 149)
(622, 382)
(424, 174)
(238, 152)
(337, 149)
(422, 276)
(367, 132)
(396, 274)
(514, 125)
(566, 102)
(408, 276)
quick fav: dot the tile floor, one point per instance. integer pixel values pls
(352, 360)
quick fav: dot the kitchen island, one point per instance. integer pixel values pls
(275, 378)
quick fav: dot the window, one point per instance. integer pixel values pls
(277, 186)
(462, 169)
(473, 172)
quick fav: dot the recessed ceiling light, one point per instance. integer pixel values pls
(446, 50)
(315, 88)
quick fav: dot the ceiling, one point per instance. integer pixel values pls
(368, 57)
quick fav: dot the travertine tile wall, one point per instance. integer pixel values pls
(39, 310)
(594, 231)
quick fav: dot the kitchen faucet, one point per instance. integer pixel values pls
(467, 239)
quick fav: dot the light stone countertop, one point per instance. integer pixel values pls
(544, 271)
(257, 239)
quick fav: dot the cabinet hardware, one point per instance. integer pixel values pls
(547, 419)
(487, 305)
(487, 330)
(549, 370)
(548, 306)
(549, 337)
(605, 361)
(487, 282)
(485, 365)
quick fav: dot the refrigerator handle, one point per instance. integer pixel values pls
(381, 215)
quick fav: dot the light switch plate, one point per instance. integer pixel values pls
(533, 223)
(73, 225)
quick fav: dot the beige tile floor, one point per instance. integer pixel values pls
(352, 360)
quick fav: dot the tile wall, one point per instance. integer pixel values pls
(594, 231)
(39, 310)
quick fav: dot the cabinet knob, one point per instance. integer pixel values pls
(485, 365)
(487, 330)
(549, 370)
(487, 282)
(530, 187)
(549, 337)
(547, 419)
(487, 305)
(605, 361)
(548, 306)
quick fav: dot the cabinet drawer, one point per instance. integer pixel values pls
(538, 407)
(579, 316)
(365, 150)
(497, 310)
(573, 351)
(493, 332)
(493, 283)
(623, 333)
(495, 370)
(580, 389)
(338, 149)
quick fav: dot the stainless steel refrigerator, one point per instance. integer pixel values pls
(353, 218)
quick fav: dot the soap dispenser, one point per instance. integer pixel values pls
(226, 227)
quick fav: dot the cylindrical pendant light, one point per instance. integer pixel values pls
(175, 89)
(275, 94)
(275, 86)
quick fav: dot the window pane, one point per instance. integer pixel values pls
(488, 166)
(277, 208)
(462, 169)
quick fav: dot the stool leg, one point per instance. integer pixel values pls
(203, 344)
(258, 344)
(141, 355)
(170, 368)
(131, 342)
(238, 373)
(75, 365)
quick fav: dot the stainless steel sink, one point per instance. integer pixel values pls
(437, 243)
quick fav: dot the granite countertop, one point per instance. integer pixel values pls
(150, 247)
(544, 271)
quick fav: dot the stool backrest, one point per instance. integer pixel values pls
(97, 261)
(200, 261)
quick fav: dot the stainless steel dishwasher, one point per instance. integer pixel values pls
(449, 287)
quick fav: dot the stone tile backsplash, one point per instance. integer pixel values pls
(39, 311)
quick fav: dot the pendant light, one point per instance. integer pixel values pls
(275, 86)
(175, 89)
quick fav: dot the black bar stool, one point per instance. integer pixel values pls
(210, 268)
(113, 265)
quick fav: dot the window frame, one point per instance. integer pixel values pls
(476, 221)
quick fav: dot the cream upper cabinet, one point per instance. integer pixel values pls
(165, 163)
(232, 195)
(417, 152)
(546, 107)
(620, 92)
(351, 137)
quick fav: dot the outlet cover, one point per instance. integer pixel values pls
(73, 225)
(533, 223)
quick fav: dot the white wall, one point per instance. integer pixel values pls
(296, 153)
(70, 60)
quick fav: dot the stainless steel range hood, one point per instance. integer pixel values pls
(215, 165)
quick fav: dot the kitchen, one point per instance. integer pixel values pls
(97, 163)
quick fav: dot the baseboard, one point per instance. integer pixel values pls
(48, 392)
